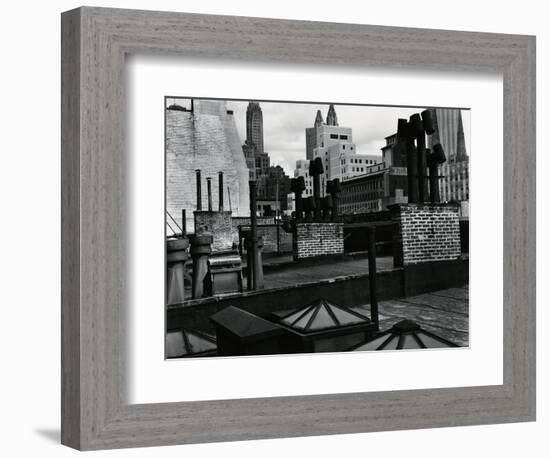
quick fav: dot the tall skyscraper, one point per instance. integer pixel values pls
(255, 127)
(311, 135)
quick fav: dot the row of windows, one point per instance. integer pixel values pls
(353, 169)
(358, 161)
(335, 137)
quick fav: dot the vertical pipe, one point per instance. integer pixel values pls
(183, 223)
(220, 191)
(277, 203)
(299, 207)
(372, 275)
(417, 131)
(253, 233)
(317, 196)
(436, 158)
(248, 247)
(249, 268)
(316, 169)
(412, 167)
(201, 248)
(434, 183)
(421, 161)
(278, 237)
(209, 190)
(199, 194)
(258, 267)
(335, 193)
(297, 186)
(335, 206)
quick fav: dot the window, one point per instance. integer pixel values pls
(343, 137)
(334, 136)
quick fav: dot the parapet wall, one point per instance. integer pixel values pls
(313, 239)
(425, 233)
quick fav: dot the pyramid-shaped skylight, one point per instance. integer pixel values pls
(405, 335)
(189, 342)
(322, 314)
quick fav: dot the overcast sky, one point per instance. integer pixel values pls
(285, 124)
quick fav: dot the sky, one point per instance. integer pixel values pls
(285, 124)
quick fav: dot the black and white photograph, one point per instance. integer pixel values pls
(275, 229)
(297, 227)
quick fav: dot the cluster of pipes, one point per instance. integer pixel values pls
(209, 191)
(201, 244)
(316, 208)
(420, 158)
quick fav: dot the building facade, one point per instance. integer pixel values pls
(268, 207)
(345, 166)
(262, 164)
(373, 191)
(454, 184)
(382, 184)
(302, 170)
(334, 145)
(274, 185)
(203, 136)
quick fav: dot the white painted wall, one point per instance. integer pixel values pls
(29, 186)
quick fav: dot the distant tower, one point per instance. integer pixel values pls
(311, 135)
(318, 119)
(454, 185)
(449, 131)
(460, 142)
(332, 119)
(255, 127)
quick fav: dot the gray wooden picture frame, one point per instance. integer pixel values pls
(95, 413)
